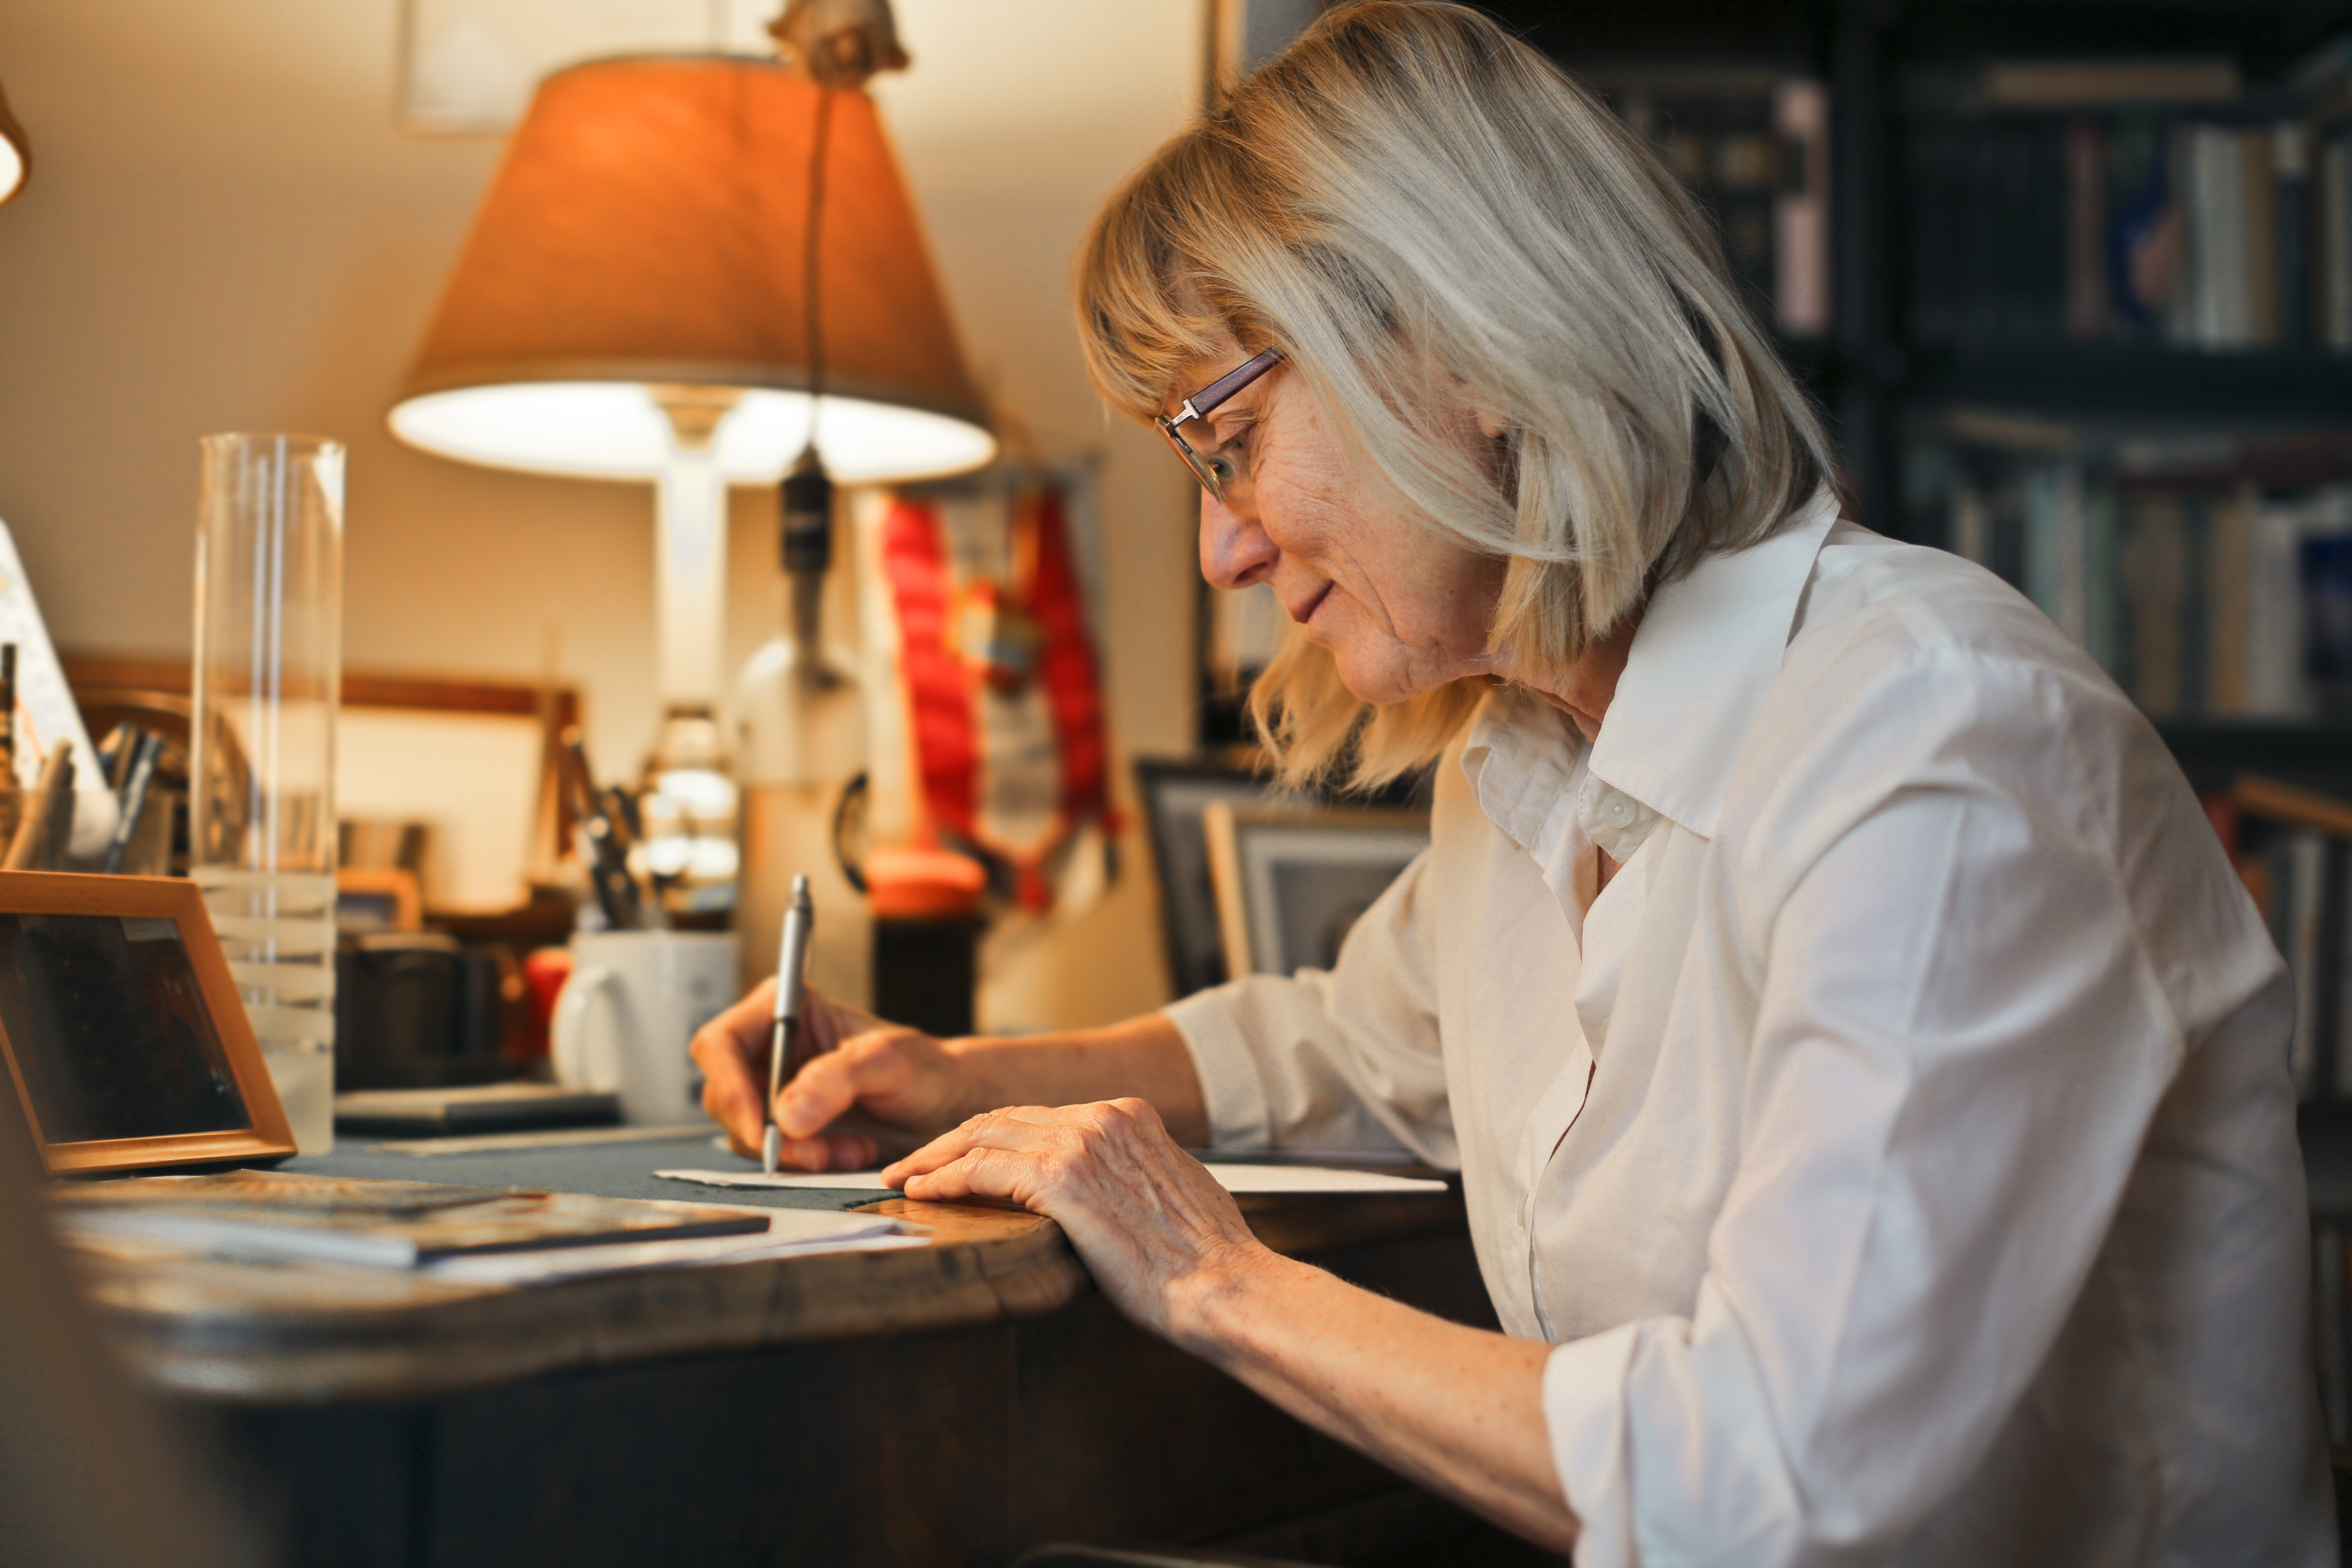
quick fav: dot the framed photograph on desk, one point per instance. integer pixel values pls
(1291, 882)
(126, 1044)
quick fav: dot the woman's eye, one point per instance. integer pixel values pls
(1227, 455)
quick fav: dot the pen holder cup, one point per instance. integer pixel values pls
(624, 1019)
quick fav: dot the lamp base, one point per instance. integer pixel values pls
(688, 811)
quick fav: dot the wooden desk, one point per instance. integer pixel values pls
(954, 1404)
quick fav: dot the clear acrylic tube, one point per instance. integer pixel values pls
(268, 676)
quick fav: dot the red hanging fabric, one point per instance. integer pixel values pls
(1033, 626)
(947, 739)
(1066, 663)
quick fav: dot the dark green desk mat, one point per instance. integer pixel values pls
(602, 1170)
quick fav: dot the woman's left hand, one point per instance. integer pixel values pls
(1153, 1225)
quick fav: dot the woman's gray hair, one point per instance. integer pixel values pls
(1425, 212)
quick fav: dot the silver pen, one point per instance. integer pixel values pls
(792, 966)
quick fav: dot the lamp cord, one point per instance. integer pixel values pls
(811, 271)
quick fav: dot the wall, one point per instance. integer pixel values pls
(225, 230)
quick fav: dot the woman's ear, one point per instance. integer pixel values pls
(1491, 425)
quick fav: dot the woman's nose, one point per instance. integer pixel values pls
(1234, 550)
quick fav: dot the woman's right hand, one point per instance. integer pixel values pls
(860, 1091)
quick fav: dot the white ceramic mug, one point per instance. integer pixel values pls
(626, 1016)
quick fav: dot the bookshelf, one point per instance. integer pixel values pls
(1867, 370)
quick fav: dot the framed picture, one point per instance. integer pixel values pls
(468, 67)
(1291, 882)
(1174, 796)
(377, 898)
(125, 1041)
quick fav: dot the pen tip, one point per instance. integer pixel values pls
(770, 1148)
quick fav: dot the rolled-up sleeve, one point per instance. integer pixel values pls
(1341, 1059)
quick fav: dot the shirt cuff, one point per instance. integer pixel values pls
(1584, 1415)
(1231, 1088)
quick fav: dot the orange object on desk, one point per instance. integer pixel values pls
(544, 970)
(911, 884)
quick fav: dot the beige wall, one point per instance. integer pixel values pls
(225, 231)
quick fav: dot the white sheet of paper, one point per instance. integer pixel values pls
(46, 706)
(1317, 1179)
(791, 1233)
(1236, 1179)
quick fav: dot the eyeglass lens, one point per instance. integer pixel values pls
(1214, 472)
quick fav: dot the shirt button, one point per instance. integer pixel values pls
(1617, 808)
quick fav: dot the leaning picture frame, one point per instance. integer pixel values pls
(1292, 881)
(1174, 795)
(126, 1043)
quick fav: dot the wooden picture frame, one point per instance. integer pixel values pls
(154, 692)
(262, 1136)
(1291, 881)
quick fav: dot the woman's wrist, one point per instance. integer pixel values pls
(1214, 1307)
(1144, 1056)
(985, 1070)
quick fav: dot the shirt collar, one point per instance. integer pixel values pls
(1520, 757)
(1708, 650)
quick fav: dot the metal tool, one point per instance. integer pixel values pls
(792, 969)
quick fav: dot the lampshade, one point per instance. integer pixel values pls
(16, 157)
(648, 229)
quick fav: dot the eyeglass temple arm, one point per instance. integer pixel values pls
(1206, 401)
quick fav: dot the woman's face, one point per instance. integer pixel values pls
(1403, 606)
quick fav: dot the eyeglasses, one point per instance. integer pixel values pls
(1213, 471)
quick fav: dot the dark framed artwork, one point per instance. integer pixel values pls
(1292, 881)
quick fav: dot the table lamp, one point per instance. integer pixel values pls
(696, 272)
(16, 154)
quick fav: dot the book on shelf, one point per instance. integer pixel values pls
(2081, 83)
(2132, 199)
(2293, 847)
(2331, 221)
(1800, 208)
(2210, 576)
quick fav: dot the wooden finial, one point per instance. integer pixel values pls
(839, 43)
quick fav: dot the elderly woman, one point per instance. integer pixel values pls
(1868, 1079)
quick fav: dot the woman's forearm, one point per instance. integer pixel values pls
(1143, 1056)
(1458, 1409)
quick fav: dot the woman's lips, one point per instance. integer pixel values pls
(1306, 612)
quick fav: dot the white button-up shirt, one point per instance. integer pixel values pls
(1899, 1148)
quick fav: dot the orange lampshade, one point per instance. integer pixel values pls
(648, 228)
